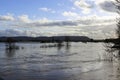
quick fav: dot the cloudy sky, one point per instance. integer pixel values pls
(93, 18)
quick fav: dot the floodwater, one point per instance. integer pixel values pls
(44, 61)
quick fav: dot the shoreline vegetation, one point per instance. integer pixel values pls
(45, 39)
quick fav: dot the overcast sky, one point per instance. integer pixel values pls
(93, 18)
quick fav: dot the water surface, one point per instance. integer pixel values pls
(80, 61)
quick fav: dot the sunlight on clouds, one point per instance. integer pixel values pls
(101, 5)
(82, 4)
(83, 18)
(92, 26)
(43, 20)
(81, 8)
(24, 18)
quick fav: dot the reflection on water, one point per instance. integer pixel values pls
(10, 49)
(71, 61)
(117, 70)
(10, 52)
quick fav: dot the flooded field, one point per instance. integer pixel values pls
(77, 61)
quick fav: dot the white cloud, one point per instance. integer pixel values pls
(91, 20)
(82, 4)
(100, 5)
(43, 20)
(45, 27)
(70, 14)
(91, 25)
(86, 11)
(6, 17)
(47, 9)
(24, 18)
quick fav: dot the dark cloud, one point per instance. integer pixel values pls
(12, 32)
(47, 24)
(108, 6)
(60, 23)
(71, 23)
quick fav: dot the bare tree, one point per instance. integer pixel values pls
(117, 4)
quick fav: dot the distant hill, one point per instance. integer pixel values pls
(46, 39)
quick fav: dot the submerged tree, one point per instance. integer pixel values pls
(111, 48)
